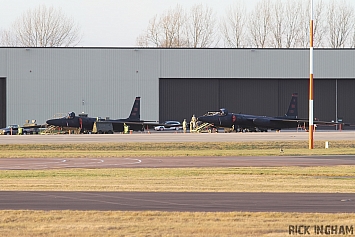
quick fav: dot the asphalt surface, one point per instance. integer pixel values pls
(177, 201)
(171, 201)
(173, 162)
(177, 137)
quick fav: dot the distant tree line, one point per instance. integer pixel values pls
(270, 24)
(42, 27)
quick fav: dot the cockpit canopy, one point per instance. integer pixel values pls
(71, 115)
(223, 111)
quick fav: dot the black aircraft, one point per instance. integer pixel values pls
(84, 123)
(246, 122)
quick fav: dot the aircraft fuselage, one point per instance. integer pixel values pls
(254, 122)
(85, 123)
(246, 121)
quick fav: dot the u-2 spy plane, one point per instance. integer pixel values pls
(246, 122)
(84, 123)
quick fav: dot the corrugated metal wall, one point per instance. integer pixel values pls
(286, 88)
(346, 98)
(104, 81)
(249, 96)
(180, 98)
(324, 100)
(232, 63)
(334, 63)
(100, 82)
(324, 97)
(2, 102)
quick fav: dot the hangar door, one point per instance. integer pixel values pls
(2, 102)
(181, 98)
(346, 98)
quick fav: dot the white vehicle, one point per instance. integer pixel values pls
(174, 126)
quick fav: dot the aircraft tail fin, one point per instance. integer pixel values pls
(292, 111)
(135, 112)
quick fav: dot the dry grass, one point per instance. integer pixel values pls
(174, 149)
(238, 179)
(148, 223)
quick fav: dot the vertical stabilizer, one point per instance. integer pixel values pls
(292, 111)
(135, 112)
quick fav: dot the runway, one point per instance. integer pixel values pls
(178, 201)
(177, 137)
(173, 162)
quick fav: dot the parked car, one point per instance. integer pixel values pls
(13, 130)
(170, 125)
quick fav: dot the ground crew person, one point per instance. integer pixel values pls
(193, 123)
(19, 131)
(125, 128)
(184, 125)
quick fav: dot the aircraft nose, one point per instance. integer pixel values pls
(53, 122)
(49, 121)
(206, 119)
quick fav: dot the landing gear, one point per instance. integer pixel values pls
(244, 130)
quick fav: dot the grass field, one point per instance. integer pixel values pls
(181, 149)
(232, 179)
(247, 179)
(94, 223)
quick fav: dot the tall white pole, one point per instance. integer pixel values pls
(311, 125)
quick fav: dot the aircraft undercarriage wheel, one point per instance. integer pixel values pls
(212, 130)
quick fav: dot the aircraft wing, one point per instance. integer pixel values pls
(34, 126)
(306, 121)
(148, 124)
(143, 123)
(132, 122)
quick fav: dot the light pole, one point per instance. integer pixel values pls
(311, 125)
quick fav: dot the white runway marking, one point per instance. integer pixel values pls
(44, 163)
(48, 163)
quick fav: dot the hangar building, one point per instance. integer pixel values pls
(40, 83)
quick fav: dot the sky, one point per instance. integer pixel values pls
(109, 23)
(112, 23)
